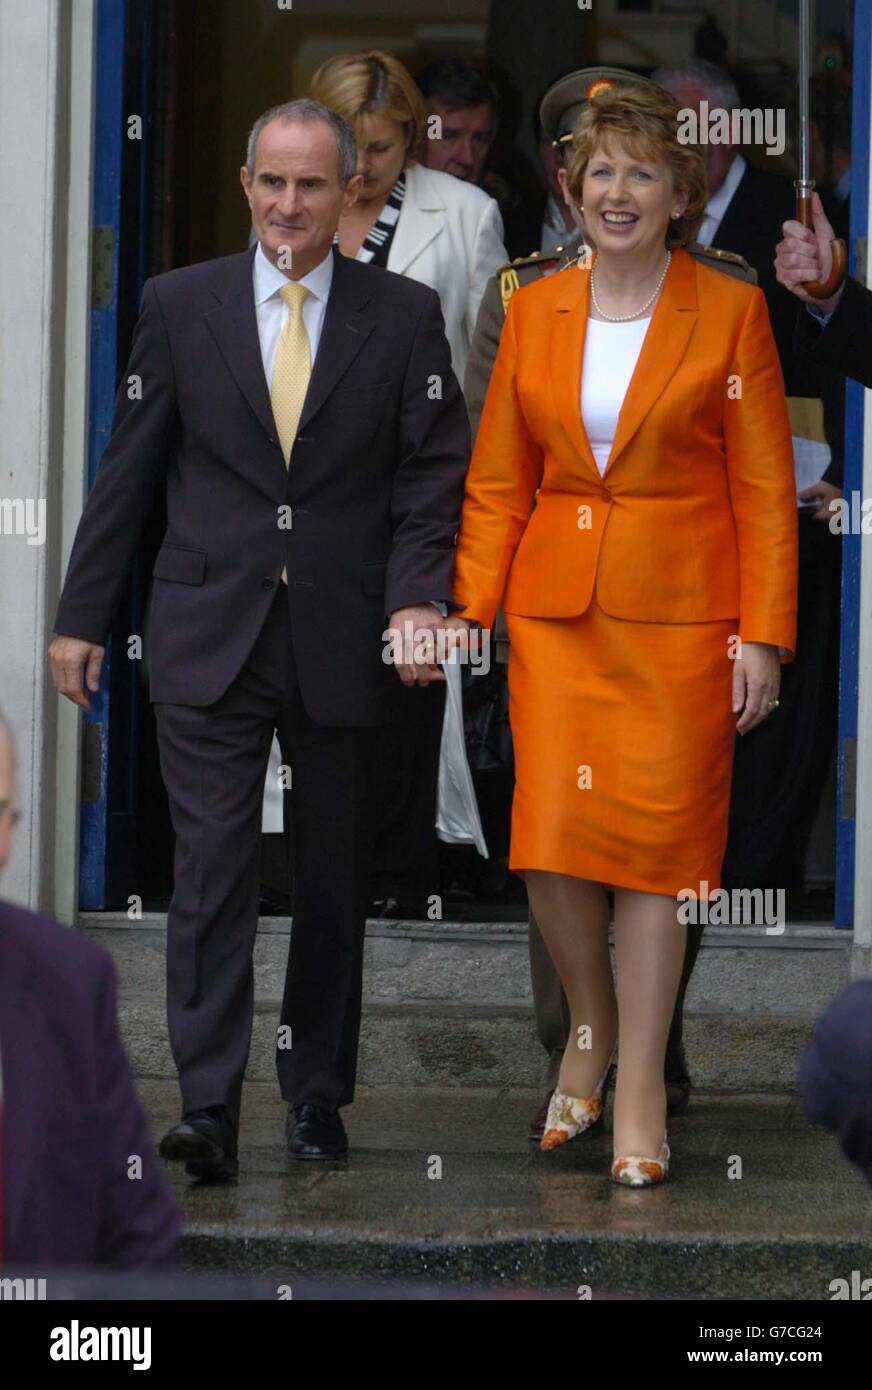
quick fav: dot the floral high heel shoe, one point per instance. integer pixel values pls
(633, 1171)
(569, 1116)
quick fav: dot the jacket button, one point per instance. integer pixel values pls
(606, 495)
(267, 583)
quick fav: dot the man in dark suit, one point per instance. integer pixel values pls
(300, 410)
(79, 1186)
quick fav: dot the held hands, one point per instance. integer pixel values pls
(805, 255)
(756, 682)
(417, 621)
(69, 657)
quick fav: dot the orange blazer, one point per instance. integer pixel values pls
(695, 516)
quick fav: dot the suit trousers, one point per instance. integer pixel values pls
(780, 768)
(406, 849)
(214, 761)
(552, 1009)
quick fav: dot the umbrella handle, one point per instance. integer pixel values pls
(822, 289)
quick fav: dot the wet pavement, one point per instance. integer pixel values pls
(444, 1186)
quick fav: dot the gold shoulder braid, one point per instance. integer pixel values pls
(537, 263)
(729, 262)
(508, 284)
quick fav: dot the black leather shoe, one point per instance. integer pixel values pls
(315, 1133)
(205, 1141)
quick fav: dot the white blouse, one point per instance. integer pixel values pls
(611, 351)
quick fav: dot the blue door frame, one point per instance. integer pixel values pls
(119, 217)
(854, 404)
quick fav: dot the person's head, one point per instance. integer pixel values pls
(639, 187)
(692, 83)
(299, 176)
(8, 803)
(375, 94)
(468, 108)
(556, 117)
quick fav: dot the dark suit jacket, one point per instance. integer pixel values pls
(845, 343)
(375, 486)
(71, 1116)
(752, 226)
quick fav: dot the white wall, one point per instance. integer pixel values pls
(45, 48)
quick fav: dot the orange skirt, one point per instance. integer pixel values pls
(623, 735)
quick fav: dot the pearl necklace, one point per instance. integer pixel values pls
(625, 318)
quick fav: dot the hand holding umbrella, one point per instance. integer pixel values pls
(805, 257)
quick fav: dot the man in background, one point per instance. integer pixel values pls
(462, 142)
(468, 109)
(780, 769)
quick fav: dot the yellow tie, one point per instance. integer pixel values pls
(291, 372)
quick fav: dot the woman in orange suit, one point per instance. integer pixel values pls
(631, 500)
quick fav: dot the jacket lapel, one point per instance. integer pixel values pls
(665, 343)
(733, 226)
(348, 322)
(347, 325)
(567, 347)
(421, 219)
(672, 323)
(234, 326)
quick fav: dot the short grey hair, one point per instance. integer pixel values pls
(718, 85)
(306, 111)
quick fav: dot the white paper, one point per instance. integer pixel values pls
(457, 818)
(810, 461)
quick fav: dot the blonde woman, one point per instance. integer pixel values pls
(650, 595)
(412, 220)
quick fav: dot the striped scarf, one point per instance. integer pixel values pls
(377, 242)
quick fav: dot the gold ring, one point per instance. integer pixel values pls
(774, 703)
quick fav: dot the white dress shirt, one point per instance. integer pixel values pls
(272, 311)
(720, 201)
(611, 351)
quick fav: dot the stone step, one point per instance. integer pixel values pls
(450, 1005)
(432, 1044)
(443, 1187)
(739, 969)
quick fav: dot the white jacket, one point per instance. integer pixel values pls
(449, 236)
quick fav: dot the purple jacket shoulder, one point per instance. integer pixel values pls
(81, 1185)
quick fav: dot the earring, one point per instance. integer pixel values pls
(676, 214)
